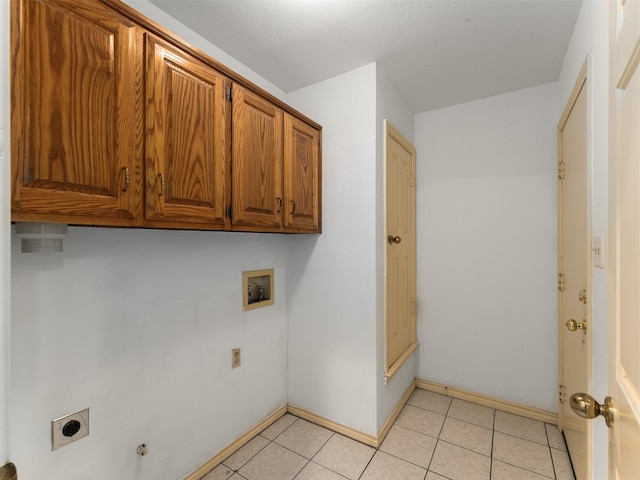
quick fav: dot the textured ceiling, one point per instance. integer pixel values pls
(436, 52)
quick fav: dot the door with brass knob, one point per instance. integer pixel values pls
(400, 270)
(623, 262)
(574, 266)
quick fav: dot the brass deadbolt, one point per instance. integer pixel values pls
(582, 296)
(572, 325)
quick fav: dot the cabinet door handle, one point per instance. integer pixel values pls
(279, 202)
(161, 175)
(293, 207)
(127, 178)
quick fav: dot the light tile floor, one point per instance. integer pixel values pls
(435, 437)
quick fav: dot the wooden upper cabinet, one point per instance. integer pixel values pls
(72, 113)
(257, 162)
(117, 122)
(302, 177)
(186, 138)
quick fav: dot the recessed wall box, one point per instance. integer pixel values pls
(69, 428)
(41, 237)
(257, 288)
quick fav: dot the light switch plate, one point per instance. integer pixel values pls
(236, 359)
(597, 251)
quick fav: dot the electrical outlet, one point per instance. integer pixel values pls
(235, 358)
(69, 428)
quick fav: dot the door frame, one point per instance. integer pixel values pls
(582, 82)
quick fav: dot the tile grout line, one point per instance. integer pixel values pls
(493, 439)
(269, 441)
(309, 460)
(553, 463)
(250, 458)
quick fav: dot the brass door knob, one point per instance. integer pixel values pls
(572, 325)
(391, 239)
(585, 406)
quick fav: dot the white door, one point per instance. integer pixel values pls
(574, 265)
(400, 231)
(624, 241)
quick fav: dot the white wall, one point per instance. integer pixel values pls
(332, 284)
(391, 106)
(5, 260)
(336, 331)
(138, 325)
(486, 188)
(590, 37)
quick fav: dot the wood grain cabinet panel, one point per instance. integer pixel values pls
(302, 176)
(73, 101)
(186, 138)
(257, 162)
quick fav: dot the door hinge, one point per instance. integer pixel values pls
(561, 282)
(412, 181)
(412, 308)
(228, 93)
(562, 396)
(561, 171)
(228, 212)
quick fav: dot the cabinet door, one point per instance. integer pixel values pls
(302, 170)
(186, 139)
(257, 163)
(73, 110)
